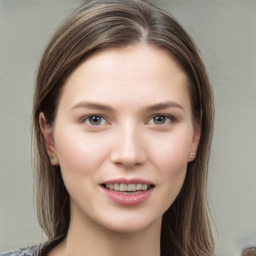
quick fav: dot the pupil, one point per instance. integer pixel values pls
(159, 119)
(95, 120)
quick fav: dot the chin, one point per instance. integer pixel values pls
(132, 225)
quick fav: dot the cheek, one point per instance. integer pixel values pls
(171, 155)
(78, 152)
(171, 159)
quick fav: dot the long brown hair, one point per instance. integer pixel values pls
(102, 24)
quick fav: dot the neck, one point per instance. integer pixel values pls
(88, 239)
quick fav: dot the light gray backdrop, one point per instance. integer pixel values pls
(225, 32)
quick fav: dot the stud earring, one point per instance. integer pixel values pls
(54, 161)
(192, 155)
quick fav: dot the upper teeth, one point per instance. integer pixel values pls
(126, 187)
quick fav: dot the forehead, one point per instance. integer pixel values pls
(132, 73)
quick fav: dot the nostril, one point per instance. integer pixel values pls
(251, 251)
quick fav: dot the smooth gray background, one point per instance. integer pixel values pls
(225, 32)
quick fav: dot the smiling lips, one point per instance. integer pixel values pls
(128, 192)
(127, 187)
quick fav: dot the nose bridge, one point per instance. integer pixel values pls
(128, 149)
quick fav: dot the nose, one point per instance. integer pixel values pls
(129, 148)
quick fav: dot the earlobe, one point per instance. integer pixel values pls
(195, 142)
(47, 132)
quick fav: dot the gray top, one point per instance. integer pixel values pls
(29, 251)
(37, 250)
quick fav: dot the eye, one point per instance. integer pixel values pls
(160, 119)
(95, 120)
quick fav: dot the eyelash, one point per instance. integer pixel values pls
(86, 118)
(165, 116)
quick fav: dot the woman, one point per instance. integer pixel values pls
(122, 127)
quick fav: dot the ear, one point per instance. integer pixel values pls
(195, 142)
(47, 132)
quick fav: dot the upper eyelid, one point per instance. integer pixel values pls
(172, 117)
(85, 122)
(90, 115)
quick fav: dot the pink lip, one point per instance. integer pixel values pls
(128, 199)
(128, 181)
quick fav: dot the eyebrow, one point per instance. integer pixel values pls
(93, 105)
(164, 105)
(104, 107)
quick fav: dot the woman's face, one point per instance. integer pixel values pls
(123, 135)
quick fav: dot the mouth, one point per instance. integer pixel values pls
(128, 192)
(131, 188)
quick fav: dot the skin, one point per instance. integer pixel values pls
(127, 143)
